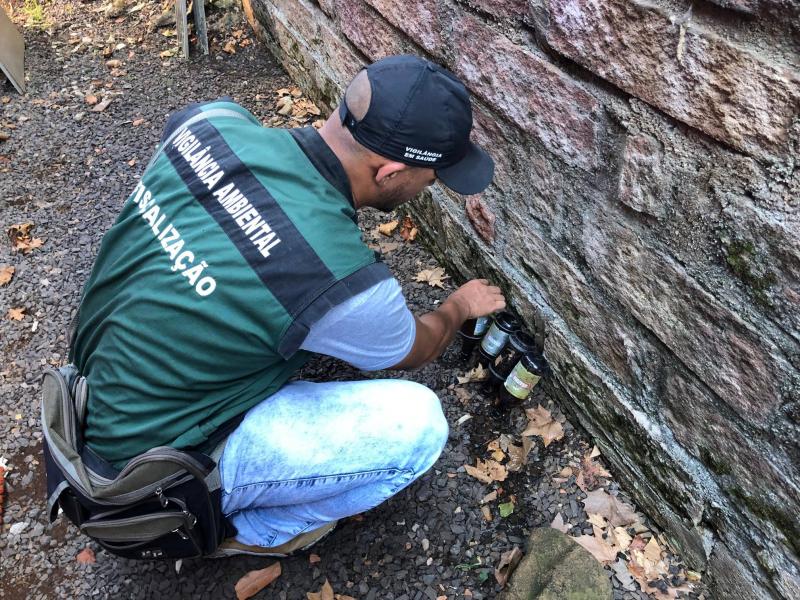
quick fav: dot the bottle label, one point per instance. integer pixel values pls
(521, 381)
(494, 340)
(481, 325)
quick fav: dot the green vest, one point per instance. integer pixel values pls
(229, 249)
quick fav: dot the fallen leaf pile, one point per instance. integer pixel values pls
(239, 38)
(20, 236)
(298, 109)
(433, 277)
(504, 447)
(407, 231)
(619, 539)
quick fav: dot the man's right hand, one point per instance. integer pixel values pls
(436, 330)
(479, 298)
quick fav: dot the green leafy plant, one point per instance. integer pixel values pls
(34, 14)
(468, 566)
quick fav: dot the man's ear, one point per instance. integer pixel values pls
(387, 171)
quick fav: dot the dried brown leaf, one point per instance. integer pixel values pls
(598, 520)
(325, 593)
(527, 445)
(597, 547)
(284, 105)
(652, 551)
(255, 581)
(388, 228)
(6, 274)
(618, 513)
(17, 314)
(463, 395)
(621, 538)
(103, 104)
(476, 374)
(508, 562)
(433, 277)
(591, 472)
(33, 244)
(487, 471)
(408, 231)
(86, 556)
(541, 423)
(517, 458)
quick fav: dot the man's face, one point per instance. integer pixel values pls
(402, 187)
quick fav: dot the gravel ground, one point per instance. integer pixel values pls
(66, 169)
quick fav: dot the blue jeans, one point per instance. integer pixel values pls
(316, 452)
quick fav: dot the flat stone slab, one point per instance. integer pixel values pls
(556, 568)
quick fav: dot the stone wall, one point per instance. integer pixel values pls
(647, 205)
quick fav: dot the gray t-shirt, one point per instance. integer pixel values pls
(372, 330)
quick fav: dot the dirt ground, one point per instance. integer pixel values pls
(67, 167)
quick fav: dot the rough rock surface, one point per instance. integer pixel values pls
(645, 215)
(556, 568)
(66, 169)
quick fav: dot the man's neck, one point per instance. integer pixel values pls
(354, 169)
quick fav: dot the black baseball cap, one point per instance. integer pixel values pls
(420, 115)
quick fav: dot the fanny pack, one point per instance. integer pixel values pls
(165, 503)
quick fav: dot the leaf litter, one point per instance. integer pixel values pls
(21, 240)
(619, 540)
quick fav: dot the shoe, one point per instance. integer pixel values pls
(304, 541)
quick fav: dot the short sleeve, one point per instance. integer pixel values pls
(373, 330)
